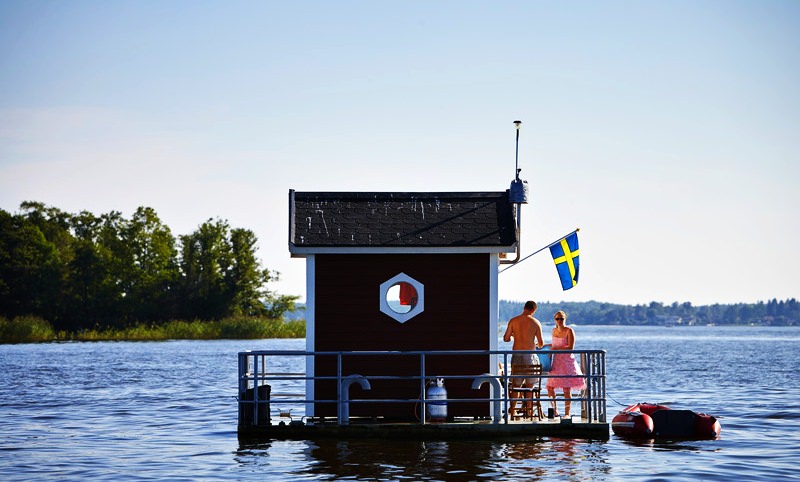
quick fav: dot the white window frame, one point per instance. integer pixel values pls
(417, 309)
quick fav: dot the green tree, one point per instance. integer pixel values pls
(248, 282)
(245, 280)
(94, 287)
(149, 270)
(30, 278)
(222, 277)
(205, 256)
(53, 223)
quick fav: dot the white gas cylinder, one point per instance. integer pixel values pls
(436, 397)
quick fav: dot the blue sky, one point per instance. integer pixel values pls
(666, 131)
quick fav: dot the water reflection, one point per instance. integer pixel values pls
(568, 466)
(579, 459)
(395, 459)
(524, 458)
(668, 445)
(424, 460)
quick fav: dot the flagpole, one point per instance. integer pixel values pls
(540, 250)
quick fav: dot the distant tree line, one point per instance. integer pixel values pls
(81, 271)
(772, 312)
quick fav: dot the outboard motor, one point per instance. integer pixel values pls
(436, 398)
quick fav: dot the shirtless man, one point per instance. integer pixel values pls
(527, 334)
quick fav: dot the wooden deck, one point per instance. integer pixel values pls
(574, 428)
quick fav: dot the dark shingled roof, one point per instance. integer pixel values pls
(388, 219)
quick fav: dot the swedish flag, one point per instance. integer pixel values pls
(566, 256)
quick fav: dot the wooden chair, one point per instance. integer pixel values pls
(526, 385)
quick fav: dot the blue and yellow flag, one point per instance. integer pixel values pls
(566, 256)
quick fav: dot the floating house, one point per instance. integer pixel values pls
(402, 323)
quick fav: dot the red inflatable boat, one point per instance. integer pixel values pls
(647, 420)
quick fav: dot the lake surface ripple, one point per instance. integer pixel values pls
(167, 411)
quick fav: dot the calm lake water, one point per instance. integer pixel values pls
(167, 411)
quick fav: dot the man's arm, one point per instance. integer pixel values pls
(509, 332)
(538, 337)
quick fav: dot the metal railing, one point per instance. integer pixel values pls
(262, 371)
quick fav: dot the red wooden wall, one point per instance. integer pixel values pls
(455, 317)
